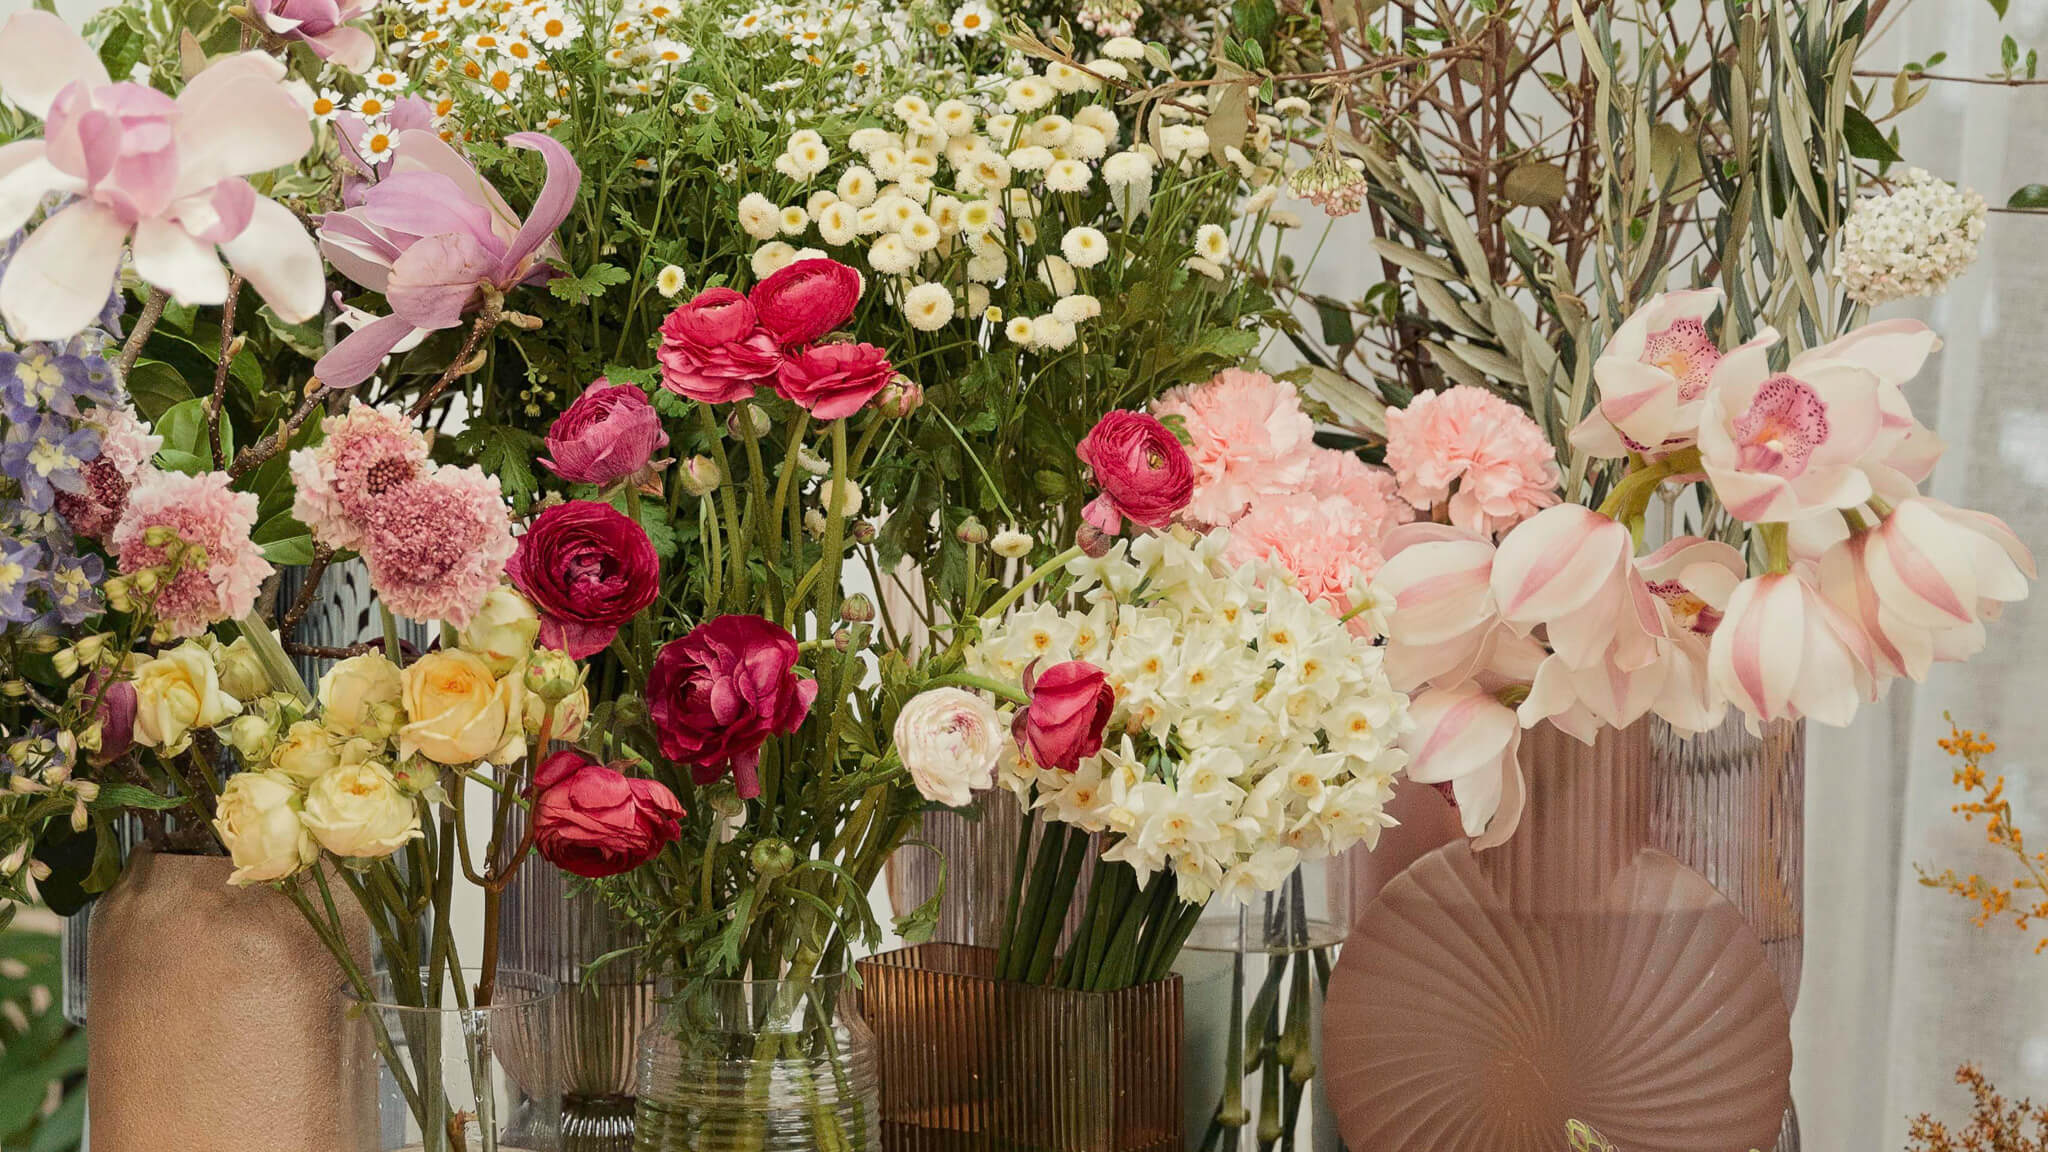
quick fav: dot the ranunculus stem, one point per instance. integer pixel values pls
(1007, 691)
(996, 610)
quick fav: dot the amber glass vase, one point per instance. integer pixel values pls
(970, 1063)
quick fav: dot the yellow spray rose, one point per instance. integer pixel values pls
(456, 711)
(306, 752)
(360, 697)
(258, 820)
(503, 630)
(178, 691)
(359, 810)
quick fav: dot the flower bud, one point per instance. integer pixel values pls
(773, 857)
(842, 640)
(45, 643)
(724, 800)
(1093, 541)
(900, 397)
(14, 689)
(972, 531)
(253, 735)
(14, 860)
(1010, 543)
(65, 660)
(552, 675)
(701, 476)
(745, 415)
(145, 581)
(857, 609)
(160, 536)
(119, 598)
(864, 531)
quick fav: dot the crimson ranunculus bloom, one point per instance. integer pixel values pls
(805, 300)
(719, 693)
(588, 569)
(608, 434)
(594, 820)
(834, 380)
(1143, 471)
(1063, 723)
(714, 350)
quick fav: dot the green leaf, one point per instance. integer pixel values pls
(1338, 331)
(155, 387)
(2008, 53)
(2031, 196)
(183, 427)
(1866, 142)
(285, 541)
(135, 796)
(1999, 6)
(1535, 185)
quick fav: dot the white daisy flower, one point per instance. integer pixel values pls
(377, 144)
(371, 105)
(972, 19)
(385, 79)
(553, 29)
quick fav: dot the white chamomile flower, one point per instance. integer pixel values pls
(1123, 48)
(1067, 176)
(553, 29)
(669, 54)
(1212, 243)
(1077, 308)
(1020, 330)
(759, 217)
(771, 258)
(928, 307)
(377, 144)
(890, 256)
(384, 79)
(371, 105)
(699, 99)
(1029, 93)
(670, 282)
(502, 84)
(1084, 247)
(972, 19)
(324, 105)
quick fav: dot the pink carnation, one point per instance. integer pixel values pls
(1247, 437)
(205, 513)
(1306, 537)
(437, 544)
(127, 449)
(1362, 497)
(1500, 464)
(367, 454)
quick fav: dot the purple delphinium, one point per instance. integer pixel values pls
(73, 588)
(41, 378)
(44, 455)
(21, 570)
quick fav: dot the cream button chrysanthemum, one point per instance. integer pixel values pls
(1001, 130)
(1049, 131)
(928, 307)
(792, 220)
(1123, 48)
(671, 282)
(836, 223)
(890, 256)
(1058, 275)
(771, 258)
(980, 216)
(1068, 176)
(1084, 247)
(987, 268)
(1076, 308)
(1019, 330)
(1212, 243)
(857, 186)
(1049, 331)
(920, 233)
(954, 117)
(910, 105)
(1086, 143)
(1030, 159)
(867, 140)
(1029, 93)
(759, 217)
(816, 201)
(1207, 268)
(1068, 78)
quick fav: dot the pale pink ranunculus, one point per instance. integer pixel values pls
(1475, 452)
(1785, 446)
(1652, 377)
(168, 172)
(432, 236)
(1783, 651)
(1440, 580)
(1465, 737)
(1570, 571)
(325, 26)
(1247, 437)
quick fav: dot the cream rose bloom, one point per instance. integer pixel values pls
(258, 820)
(456, 711)
(359, 810)
(178, 691)
(241, 673)
(361, 696)
(503, 631)
(306, 752)
(949, 739)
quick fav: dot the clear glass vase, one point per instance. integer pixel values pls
(759, 1066)
(439, 1074)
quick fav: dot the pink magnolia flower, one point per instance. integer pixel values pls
(437, 544)
(204, 513)
(1475, 450)
(360, 172)
(1782, 651)
(1465, 737)
(432, 236)
(167, 172)
(1783, 446)
(1247, 437)
(1652, 376)
(1440, 579)
(365, 453)
(323, 26)
(1570, 571)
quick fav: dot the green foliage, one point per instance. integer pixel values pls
(42, 1057)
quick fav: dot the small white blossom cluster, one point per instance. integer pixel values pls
(501, 50)
(1252, 729)
(1910, 243)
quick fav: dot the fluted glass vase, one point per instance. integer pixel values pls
(759, 1066)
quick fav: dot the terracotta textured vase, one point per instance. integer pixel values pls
(215, 1022)
(1575, 973)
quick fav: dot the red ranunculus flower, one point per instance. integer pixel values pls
(1063, 723)
(834, 380)
(1143, 471)
(805, 300)
(717, 694)
(608, 434)
(594, 820)
(714, 350)
(588, 569)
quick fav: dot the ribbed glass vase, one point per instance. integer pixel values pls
(759, 1066)
(965, 859)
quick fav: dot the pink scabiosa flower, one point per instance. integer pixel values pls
(437, 544)
(1466, 738)
(1782, 651)
(1247, 436)
(168, 172)
(324, 26)
(1473, 449)
(127, 449)
(433, 237)
(714, 350)
(205, 513)
(1784, 446)
(609, 434)
(366, 453)
(1652, 377)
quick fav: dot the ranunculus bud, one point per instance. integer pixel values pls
(1142, 468)
(241, 673)
(857, 609)
(609, 434)
(503, 630)
(948, 739)
(360, 696)
(773, 857)
(1010, 543)
(1092, 541)
(718, 694)
(864, 531)
(972, 531)
(254, 736)
(594, 820)
(552, 675)
(1063, 723)
(588, 569)
(747, 416)
(805, 300)
(702, 476)
(900, 397)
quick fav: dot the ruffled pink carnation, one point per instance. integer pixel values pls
(1247, 436)
(437, 544)
(1476, 450)
(125, 441)
(1308, 538)
(1362, 498)
(205, 513)
(368, 453)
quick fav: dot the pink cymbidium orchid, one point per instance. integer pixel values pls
(1569, 570)
(166, 172)
(1465, 737)
(434, 238)
(1784, 446)
(1653, 376)
(1904, 452)
(1443, 613)
(325, 26)
(1782, 651)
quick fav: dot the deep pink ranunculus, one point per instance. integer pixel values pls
(831, 381)
(1063, 723)
(609, 433)
(717, 694)
(1143, 471)
(594, 820)
(805, 300)
(714, 350)
(588, 569)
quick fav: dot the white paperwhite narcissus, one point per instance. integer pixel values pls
(948, 740)
(1465, 737)
(1652, 378)
(257, 819)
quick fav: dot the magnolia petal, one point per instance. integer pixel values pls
(1922, 568)
(26, 176)
(1556, 561)
(234, 122)
(557, 198)
(347, 47)
(1458, 732)
(178, 262)
(1754, 659)
(1513, 798)
(436, 280)
(278, 259)
(356, 358)
(39, 56)
(61, 276)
